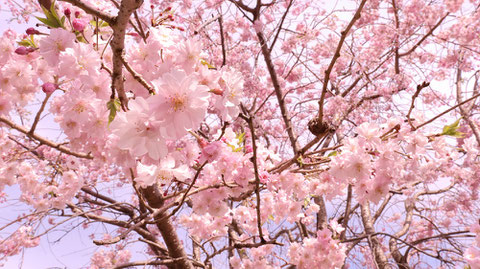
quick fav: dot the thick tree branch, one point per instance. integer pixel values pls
(127, 7)
(166, 228)
(375, 245)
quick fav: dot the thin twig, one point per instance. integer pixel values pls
(39, 113)
(336, 55)
(446, 111)
(92, 10)
(45, 141)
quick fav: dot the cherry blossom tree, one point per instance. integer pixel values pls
(245, 134)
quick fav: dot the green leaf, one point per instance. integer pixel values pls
(306, 201)
(24, 43)
(50, 22)
(28, 42)
(101, 23)
(333, 153)
(300, 161)
(51, 18)
(241, 137)
(113, 106)
(452, 129)
(202, 61)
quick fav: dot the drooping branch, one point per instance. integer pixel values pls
(45, 141)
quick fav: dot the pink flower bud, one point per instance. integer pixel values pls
(77, 14)
(67, 12)
(202, 143)
(32, 31)
(49, 87)
(79, 25)
(21, 51)
(217, 91)
(168, 9)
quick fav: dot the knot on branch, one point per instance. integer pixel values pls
(318, 127)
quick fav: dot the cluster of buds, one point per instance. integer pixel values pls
(164, 18)
(77, 23)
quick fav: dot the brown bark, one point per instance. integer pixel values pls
(375, 245)
(167, 229)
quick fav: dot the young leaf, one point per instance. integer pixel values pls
(333, 153)
(113, 106)
(51, 18)
(241, 137)
(451, 130)
(202, 61)
(28, 42)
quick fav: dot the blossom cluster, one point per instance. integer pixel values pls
(320, 252)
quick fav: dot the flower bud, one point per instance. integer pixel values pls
(79, 25)
(217, 91)
(49, 87)
(21, 51)
(32, 31)
(77, 14)
(67, 12)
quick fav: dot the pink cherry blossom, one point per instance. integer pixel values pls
(52, 45)
(181, 102)
(139, 131)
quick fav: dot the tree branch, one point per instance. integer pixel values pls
(45, 141)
